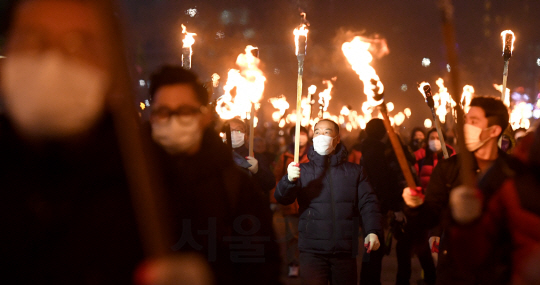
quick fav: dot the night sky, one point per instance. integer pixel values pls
(411, 27)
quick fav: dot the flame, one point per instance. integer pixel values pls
(143, 106)
(407, 112)
(390, 106)
(520, 115)
(507, 95)
(249, 84)
(399, 118)
(421, 88)
(312, 89)
(324, 96)
(345, 111)
(300, 31)
(215, 79)
(188, 40)
(466, 97)
(282, 123)
(281, 104)
(504, 34)
(428, 124)
(359, 53)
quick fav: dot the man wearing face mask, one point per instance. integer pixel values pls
(209, 196)
(257, 166)
(290, 212)
(334, 196)
(66, 215)
(484, 125)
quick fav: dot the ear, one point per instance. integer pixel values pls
(496, 130)
(338, 139)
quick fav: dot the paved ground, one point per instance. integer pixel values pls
(389, 267)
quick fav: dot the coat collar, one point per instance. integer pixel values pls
(339, 156)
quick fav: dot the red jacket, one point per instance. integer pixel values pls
(425, 168)
(280, 170)
(355, 156)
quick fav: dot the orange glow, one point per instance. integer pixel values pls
(301, 30)
(503, 36)
(281, 104)
(188, 40)
(466, 97)
(325, 96)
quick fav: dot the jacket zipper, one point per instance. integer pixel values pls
(333, 206)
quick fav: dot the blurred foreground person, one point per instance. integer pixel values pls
(215, 210)
(66, 212)
(333, 196)
(417, 139)
(290, 212)
(484, 125)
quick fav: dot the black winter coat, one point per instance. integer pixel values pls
(333, 196)
(264, 177)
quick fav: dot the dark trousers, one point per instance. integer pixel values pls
(412, 242)
(319, 269)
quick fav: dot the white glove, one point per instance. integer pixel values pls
(254, 168)
(293, 171)
(371, 242)
(413, 198)
(465, 204)
(400, 217)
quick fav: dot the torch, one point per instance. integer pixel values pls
(300, 37)
(425, 89)
(187, 52)
(508, 46)
(255, 53)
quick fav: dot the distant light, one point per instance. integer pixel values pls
(428, 124)
(147, 103)
(1, 56)
(142, 83)
(277, 71)
(142, 106)
(426, 62)
(249, 33)
(226, 17)
(538, 61)
(192, 12)
(407, 112)
(220, 35)
(404, 87)
(390, 106)
(448, 67)
(536, 113)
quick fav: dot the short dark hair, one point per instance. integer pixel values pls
(494, 109)
(292, 131)
(169, 75)
(239, 121)
(375, 129)
(336, 126)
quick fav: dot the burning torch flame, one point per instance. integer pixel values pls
(359, 54)
(301, 31)
(466, 97)
(215, 79)
(249, 84)
(281, 104)
(324, 96)
(428, 124)
(407, 112)
(508, 47)
(188, 40)
(312, 89)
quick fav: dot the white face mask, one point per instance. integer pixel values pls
(178, 134)
(323, 144)
(434, 145)
(237, 139)
(48, 95)
(472, 137)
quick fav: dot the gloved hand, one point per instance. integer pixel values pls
(413, 198)
(434, 244)
(293, 171)
(254, 164)
(400, 217)
(466, 204)
(371, 242)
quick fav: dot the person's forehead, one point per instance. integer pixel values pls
(175, 95)
(237, 126)
(324, 125)
(476, 113)
(56, 18)
(418, 133)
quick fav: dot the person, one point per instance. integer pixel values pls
(428, 156)
(333, 195)
(290, 212)
(382, 168)
(257, 167)
(484, 124)
(417, 139)
(66, 211)
(356, 151)
(214, 207)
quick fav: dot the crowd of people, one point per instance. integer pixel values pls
(92, 194)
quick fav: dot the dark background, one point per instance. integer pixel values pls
(411, 27)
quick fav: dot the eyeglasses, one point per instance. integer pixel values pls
(164, 113)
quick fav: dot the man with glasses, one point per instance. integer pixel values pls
(215, 210)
